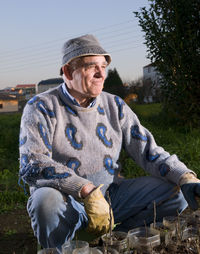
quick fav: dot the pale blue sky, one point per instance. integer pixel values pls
(32, 33)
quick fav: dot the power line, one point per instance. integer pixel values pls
(54, 61)
(44, 44)
(46, 54)
(33, 55)
(19, 55)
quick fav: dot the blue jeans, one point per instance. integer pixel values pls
(55, 217)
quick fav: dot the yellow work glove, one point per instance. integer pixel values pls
(98, 211)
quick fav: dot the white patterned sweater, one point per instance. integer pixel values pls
(65, 146)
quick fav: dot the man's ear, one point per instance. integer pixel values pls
(67, 71)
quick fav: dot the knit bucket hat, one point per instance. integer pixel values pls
(86, 45)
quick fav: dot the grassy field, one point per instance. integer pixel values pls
(182, 141)
(11, 194)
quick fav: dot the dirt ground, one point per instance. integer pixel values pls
(16, 235)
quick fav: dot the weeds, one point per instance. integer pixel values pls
(10, 232)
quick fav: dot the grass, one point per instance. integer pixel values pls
(11, 195)
(179, 140)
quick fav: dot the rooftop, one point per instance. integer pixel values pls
(25, 86)
(51, 81)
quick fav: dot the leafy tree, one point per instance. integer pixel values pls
(113, 83)
(172, 37)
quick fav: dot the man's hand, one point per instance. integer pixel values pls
(97, 210)
(190, 186)
(87, 189)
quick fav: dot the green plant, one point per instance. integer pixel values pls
(10, 232)
(10, 200)
(172, 38)
(7, 179)
(113, 83)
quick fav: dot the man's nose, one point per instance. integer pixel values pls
(99, 72)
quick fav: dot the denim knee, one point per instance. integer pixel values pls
(44, 203)
(55, 217)
(44, 207)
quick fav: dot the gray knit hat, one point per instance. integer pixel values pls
(86, 45)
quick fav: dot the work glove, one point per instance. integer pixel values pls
(190, 187)
(98, 211)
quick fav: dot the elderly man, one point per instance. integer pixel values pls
(70, 141)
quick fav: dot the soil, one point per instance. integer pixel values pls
(16, 235)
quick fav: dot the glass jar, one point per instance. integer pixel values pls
(76, 247)
(143, 238)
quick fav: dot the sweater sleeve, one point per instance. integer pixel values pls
(37, 168)
(141, 146)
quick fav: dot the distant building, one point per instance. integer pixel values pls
(8, 103)
(150, 73)
(26, 90)
(6, 90)
(44, 85)
(151, 81)
(13, 99)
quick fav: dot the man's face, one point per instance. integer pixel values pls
(88, 78)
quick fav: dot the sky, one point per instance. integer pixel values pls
(33, 32)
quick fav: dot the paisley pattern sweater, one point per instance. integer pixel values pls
(65, 146)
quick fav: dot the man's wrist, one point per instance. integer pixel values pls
(188, 177)
(87, 189)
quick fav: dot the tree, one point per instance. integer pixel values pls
(113, 83)
(172, 37)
